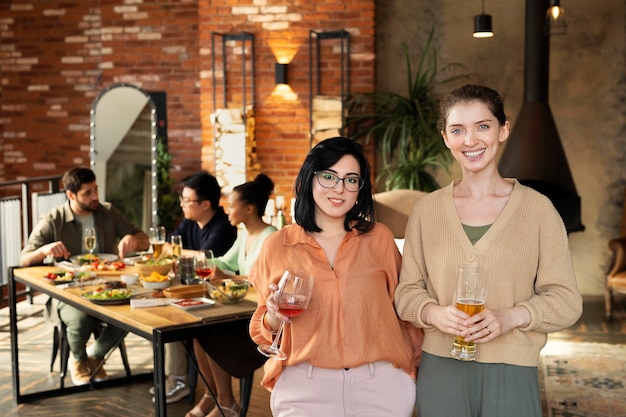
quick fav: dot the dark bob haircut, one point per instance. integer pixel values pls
(323, 156)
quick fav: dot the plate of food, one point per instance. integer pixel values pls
(89, 259)
(101, 263)
(64, 277)
(193, 303)
(60, 277)
(109, 296)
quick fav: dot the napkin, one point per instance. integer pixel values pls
(151, 302)
(65, 265)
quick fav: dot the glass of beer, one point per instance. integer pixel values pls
(177, 246)
(157, 240)
(470, 298)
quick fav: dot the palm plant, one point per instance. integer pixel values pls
(404, 128)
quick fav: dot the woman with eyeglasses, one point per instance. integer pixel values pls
(347, 353)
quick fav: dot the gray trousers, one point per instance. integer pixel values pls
(449, 387)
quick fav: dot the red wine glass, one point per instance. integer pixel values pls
(293, 296)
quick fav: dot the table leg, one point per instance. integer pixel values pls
(13, 325)
(160, 406)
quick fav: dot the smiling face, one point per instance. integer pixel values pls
(473, 135)
(335, 202)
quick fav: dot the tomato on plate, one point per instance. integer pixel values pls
(118, 265)
(51, 275)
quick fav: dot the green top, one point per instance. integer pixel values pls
(236, 259)
(475, 232)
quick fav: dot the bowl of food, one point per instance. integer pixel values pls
(145, 267)
(130, 279)
(228, 291)
(155, 281)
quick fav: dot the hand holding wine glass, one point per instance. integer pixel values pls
(292, 297)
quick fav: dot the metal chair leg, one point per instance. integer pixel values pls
(245, 390)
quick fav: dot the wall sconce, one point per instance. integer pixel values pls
(482, 24)
(281, 73)
(555, 20)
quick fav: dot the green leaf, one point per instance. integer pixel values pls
(404, 127)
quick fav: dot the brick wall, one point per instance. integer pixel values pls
(56, 56)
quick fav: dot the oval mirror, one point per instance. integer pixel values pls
(124, 151)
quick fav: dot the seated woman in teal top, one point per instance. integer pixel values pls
(242, 255)
(236, 355)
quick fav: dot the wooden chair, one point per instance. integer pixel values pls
(616, 277)
(393, 208)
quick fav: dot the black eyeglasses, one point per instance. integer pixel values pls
(351, 183)
(186, 202)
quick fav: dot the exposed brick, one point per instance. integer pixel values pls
(165, 45)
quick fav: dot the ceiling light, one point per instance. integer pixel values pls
(555, 20)
(482, 24)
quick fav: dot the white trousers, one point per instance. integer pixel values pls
(374, 390)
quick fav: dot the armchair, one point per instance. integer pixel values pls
(616, 277)
(394, 207)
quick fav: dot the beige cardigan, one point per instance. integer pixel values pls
(527, 254)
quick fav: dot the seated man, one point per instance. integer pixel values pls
(205, 226)
(59, 235)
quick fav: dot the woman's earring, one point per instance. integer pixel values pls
(356, 203)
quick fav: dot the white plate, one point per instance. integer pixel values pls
(193, 303)
(80, 259)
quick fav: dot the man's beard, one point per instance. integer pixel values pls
(93, 206)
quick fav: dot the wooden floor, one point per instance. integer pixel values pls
(134, 400)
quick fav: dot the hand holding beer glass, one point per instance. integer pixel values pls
(470, 298)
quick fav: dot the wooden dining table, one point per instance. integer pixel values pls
(160, 325)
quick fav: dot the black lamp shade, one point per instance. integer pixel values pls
(281, 73)
(482, 26)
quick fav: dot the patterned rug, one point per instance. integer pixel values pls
(584, 379)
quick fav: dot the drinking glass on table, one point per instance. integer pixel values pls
(157, 240)
(470, 298)
(177, 251)
(187, 269)
(205, 264)
(177, 246)
(89, 237)
(293, 296)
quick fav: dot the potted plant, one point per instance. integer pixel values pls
(168, 205)
(404, 128)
